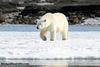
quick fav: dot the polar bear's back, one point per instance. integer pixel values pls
(60, 20)
(48, 16)
(59, 17)
(55, 20)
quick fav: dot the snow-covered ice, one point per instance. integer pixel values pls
(23, 41)
(91, 21)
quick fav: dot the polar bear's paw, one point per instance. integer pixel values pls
(51, 39)
(64, 39)
(44, 38)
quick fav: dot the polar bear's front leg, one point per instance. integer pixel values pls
(52, 35)
(42, 34)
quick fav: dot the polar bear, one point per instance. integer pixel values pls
(53, 22)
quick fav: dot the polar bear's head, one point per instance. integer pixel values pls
(44, 21)
(41, 24)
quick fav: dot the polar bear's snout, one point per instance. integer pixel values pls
(37, 27)
(38, 24)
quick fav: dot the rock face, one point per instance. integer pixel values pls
(2, 20)
(75, 10)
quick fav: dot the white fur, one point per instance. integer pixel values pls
(53, 22)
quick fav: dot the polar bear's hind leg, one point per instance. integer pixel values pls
(52, 35)
(64, 35)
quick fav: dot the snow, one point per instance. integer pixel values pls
(19, 44)
(45, 3)
(92, 21)
(23, 41)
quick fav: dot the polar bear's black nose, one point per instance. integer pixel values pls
(37, 27)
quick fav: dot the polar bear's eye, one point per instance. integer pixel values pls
(45, 20)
